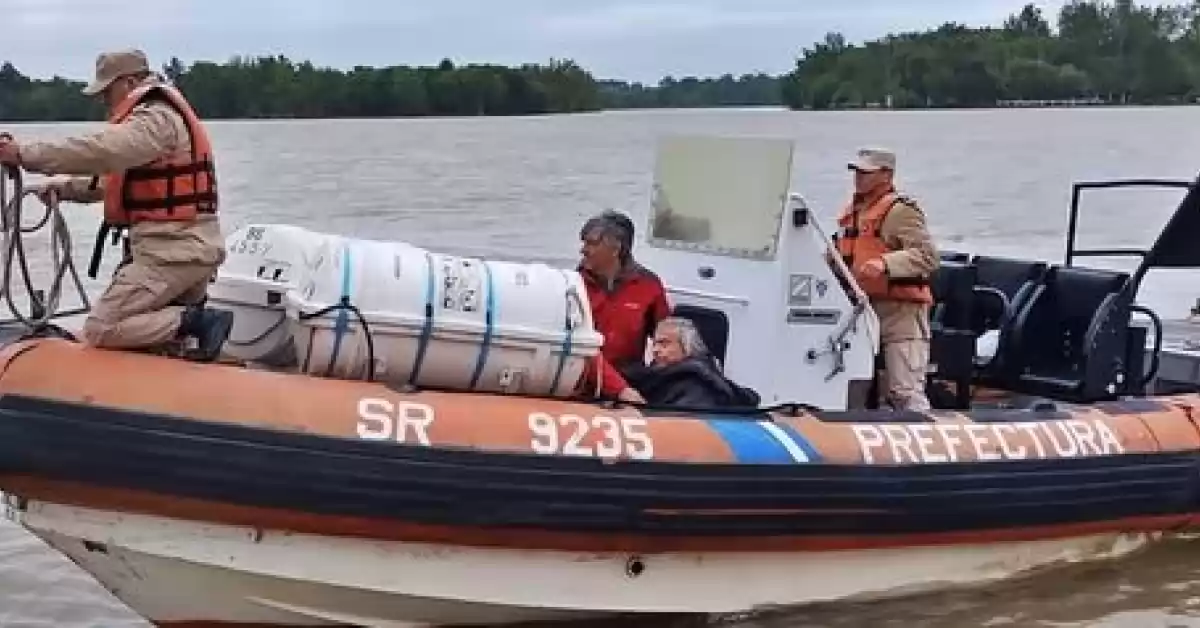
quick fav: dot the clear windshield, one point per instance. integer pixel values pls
(722, 196)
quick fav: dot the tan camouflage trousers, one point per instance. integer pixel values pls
(143, 305)
(905, 365)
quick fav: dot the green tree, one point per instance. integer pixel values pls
(1119, 52)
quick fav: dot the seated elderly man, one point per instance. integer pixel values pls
(682, 373)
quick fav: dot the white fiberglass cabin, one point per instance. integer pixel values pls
(746, 260)
(740, 256)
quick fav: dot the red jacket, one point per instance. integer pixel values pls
(625, 316)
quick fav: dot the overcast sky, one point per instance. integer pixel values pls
(629, 39)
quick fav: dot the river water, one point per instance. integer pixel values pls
(991, 181)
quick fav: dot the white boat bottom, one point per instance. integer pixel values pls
(182, 571)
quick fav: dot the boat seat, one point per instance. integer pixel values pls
(1015, 279)
(952, 345)
(1069, 341)
(712, 325)
(955, 256)
(953, 285)
(1004, 288)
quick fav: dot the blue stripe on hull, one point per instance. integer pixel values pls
(803, 443)
(750, 443)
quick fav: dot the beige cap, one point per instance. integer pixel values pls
(873, 159)
(111, 66)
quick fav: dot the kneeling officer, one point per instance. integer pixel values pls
(153, 168)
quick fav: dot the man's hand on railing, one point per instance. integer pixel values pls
(10, 151)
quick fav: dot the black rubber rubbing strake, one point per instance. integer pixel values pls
(243, 465)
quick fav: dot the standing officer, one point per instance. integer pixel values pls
(885, 243)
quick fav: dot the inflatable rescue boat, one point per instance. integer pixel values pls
(391, 436)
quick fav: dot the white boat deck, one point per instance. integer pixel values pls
(1181, 333)
(1180, 367)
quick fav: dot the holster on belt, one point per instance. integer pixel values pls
(118, 237)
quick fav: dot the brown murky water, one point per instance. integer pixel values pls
(991, 181)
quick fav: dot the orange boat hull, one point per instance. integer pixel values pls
(594, 478)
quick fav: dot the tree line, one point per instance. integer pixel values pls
(1101, 52)
(277, 87)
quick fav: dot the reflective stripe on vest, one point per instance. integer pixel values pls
(859, 240)
(170, 188)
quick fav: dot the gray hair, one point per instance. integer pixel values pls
(615, 227)
(689, 336)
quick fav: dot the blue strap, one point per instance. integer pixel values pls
(427, 328)
(568, 338)
(339, 325)
(488, 315)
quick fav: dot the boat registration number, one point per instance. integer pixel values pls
(598, 436)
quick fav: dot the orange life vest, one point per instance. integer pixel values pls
(859, 240)
(170, 188)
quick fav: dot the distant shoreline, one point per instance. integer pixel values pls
(1030, 104)
(279, 88)
(774, 108)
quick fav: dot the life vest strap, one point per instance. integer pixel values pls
(908, 281)
(204, 202)
(165, 173)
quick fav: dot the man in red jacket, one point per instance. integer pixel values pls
(627, 302)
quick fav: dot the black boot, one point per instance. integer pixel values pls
(209, 327)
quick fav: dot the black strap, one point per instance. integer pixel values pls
(105, 229)
(168, 172)
(204, 201)
(908, 281)
(98, 250)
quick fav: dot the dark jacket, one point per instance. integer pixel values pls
(692, 383)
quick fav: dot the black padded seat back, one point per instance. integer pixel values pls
(1074, 301)
(1016, 279)
(1070, 343)
(955, 256)
(712, 325)
(953, 286)
(952, 346)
